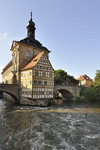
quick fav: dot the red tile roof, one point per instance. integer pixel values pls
(84, 77)
(33, 62)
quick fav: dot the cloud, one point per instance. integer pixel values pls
(3, 36)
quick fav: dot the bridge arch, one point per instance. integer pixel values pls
(12, 95)
(72, 91)
(12, 90)
(64, 94)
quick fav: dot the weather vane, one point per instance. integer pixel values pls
(31, 14)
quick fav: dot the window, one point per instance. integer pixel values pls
(40, 67)
(52, 74)
(35, 82)
(29, 92)
(41, 93)
(28, 53)
(40, 73)
(50, 92)
(35, 60)
(39, 82)
(45, 82)
(47, 74)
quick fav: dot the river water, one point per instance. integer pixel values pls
(68, 127)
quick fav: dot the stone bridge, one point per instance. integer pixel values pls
(67, 92)
(12, 90)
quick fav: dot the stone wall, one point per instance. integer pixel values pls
(36, 102)
(1, 94)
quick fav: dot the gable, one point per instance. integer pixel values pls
(44, 62)
(41, 60)
(14, 44)
(33, 62)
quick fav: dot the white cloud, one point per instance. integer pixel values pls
(3, 36)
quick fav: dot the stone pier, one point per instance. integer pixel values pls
(1, 95)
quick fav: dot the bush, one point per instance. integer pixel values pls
(78, 99)
(89, 93)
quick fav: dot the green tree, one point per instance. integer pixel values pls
(96, 85)
(72, 80)
(60, 76)
(92, 93)
(97, 93)
(89, 93)
(96, 82)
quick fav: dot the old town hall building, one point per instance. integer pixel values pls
(30, 67)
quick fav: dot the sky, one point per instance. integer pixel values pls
(70, 29)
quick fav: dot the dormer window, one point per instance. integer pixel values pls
(28, 53)
(35, 60)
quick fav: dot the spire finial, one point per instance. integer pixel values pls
(31, 14)
(31, 28)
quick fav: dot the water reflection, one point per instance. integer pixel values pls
(49, 128)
